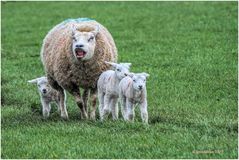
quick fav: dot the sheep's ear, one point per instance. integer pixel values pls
(73, 30)
(131, 74)
(33, 81)
(96, 30)
(145, 74)
(127, 65)
(111, 63)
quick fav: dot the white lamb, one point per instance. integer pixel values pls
(108, 88)
(132, 91)
(47, 94)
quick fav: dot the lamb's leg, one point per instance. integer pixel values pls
(101, 103)
(130, 110)
(144, 112)
(62, 96)
(106, 109)
(123, 107)
(93, 96)
(45, 108)
(114, 108)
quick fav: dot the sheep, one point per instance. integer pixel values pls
(47, 94)
(132, 91)
(73, 55)
(108, 86)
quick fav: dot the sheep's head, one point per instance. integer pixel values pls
(83, 43)
(139, 80)
(121, 69)
(42, 84)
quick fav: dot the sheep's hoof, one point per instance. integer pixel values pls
(65, 117)
(92, 116)
(115, 118)
(106, 111)
(46, 114)
(131, 117)
(84, 116)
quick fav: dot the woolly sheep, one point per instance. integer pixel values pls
(108, 88)
(73, 55)
(47, 94)
(132, 91)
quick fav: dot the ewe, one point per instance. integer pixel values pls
(73, 54)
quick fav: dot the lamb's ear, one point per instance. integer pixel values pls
(96, 30)
(131, 74)
(33, 81)
(145, 74)
(111, 63)
(127, 65)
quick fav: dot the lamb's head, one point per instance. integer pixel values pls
(83, 43)
(42, 84)
(139, 80)
(121, 69)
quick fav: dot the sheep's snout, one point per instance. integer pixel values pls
(44, 91)
(79, 46)
(140, 87)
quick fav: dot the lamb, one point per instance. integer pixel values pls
(132, 91)
(108, 89)
(47, 94)
(73, 55)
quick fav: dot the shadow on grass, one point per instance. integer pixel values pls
(34, 116)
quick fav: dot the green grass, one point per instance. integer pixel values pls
(188, 48)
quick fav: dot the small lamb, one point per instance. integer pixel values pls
(108, 89)
(132, 91)
(48, 95)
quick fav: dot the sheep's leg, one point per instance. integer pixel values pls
(93, 96)
(114, 108)
(80, 104)
(101, 103)
(106, 109)
(62, 96)
(130, 110)
(64, 113)
(85, 100)
(58, 106)
(144, 112)
(123, 107)
(45, 108)
(75, 91)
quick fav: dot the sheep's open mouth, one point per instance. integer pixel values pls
(80, 53)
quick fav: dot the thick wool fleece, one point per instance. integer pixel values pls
(59, 61)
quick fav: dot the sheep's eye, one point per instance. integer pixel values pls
(134, 80)
(90, 39)
(74, 38)
(144, 80)
(118, 70)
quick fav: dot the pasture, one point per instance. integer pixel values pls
(188, 48)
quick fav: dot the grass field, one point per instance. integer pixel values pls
(188, 48)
